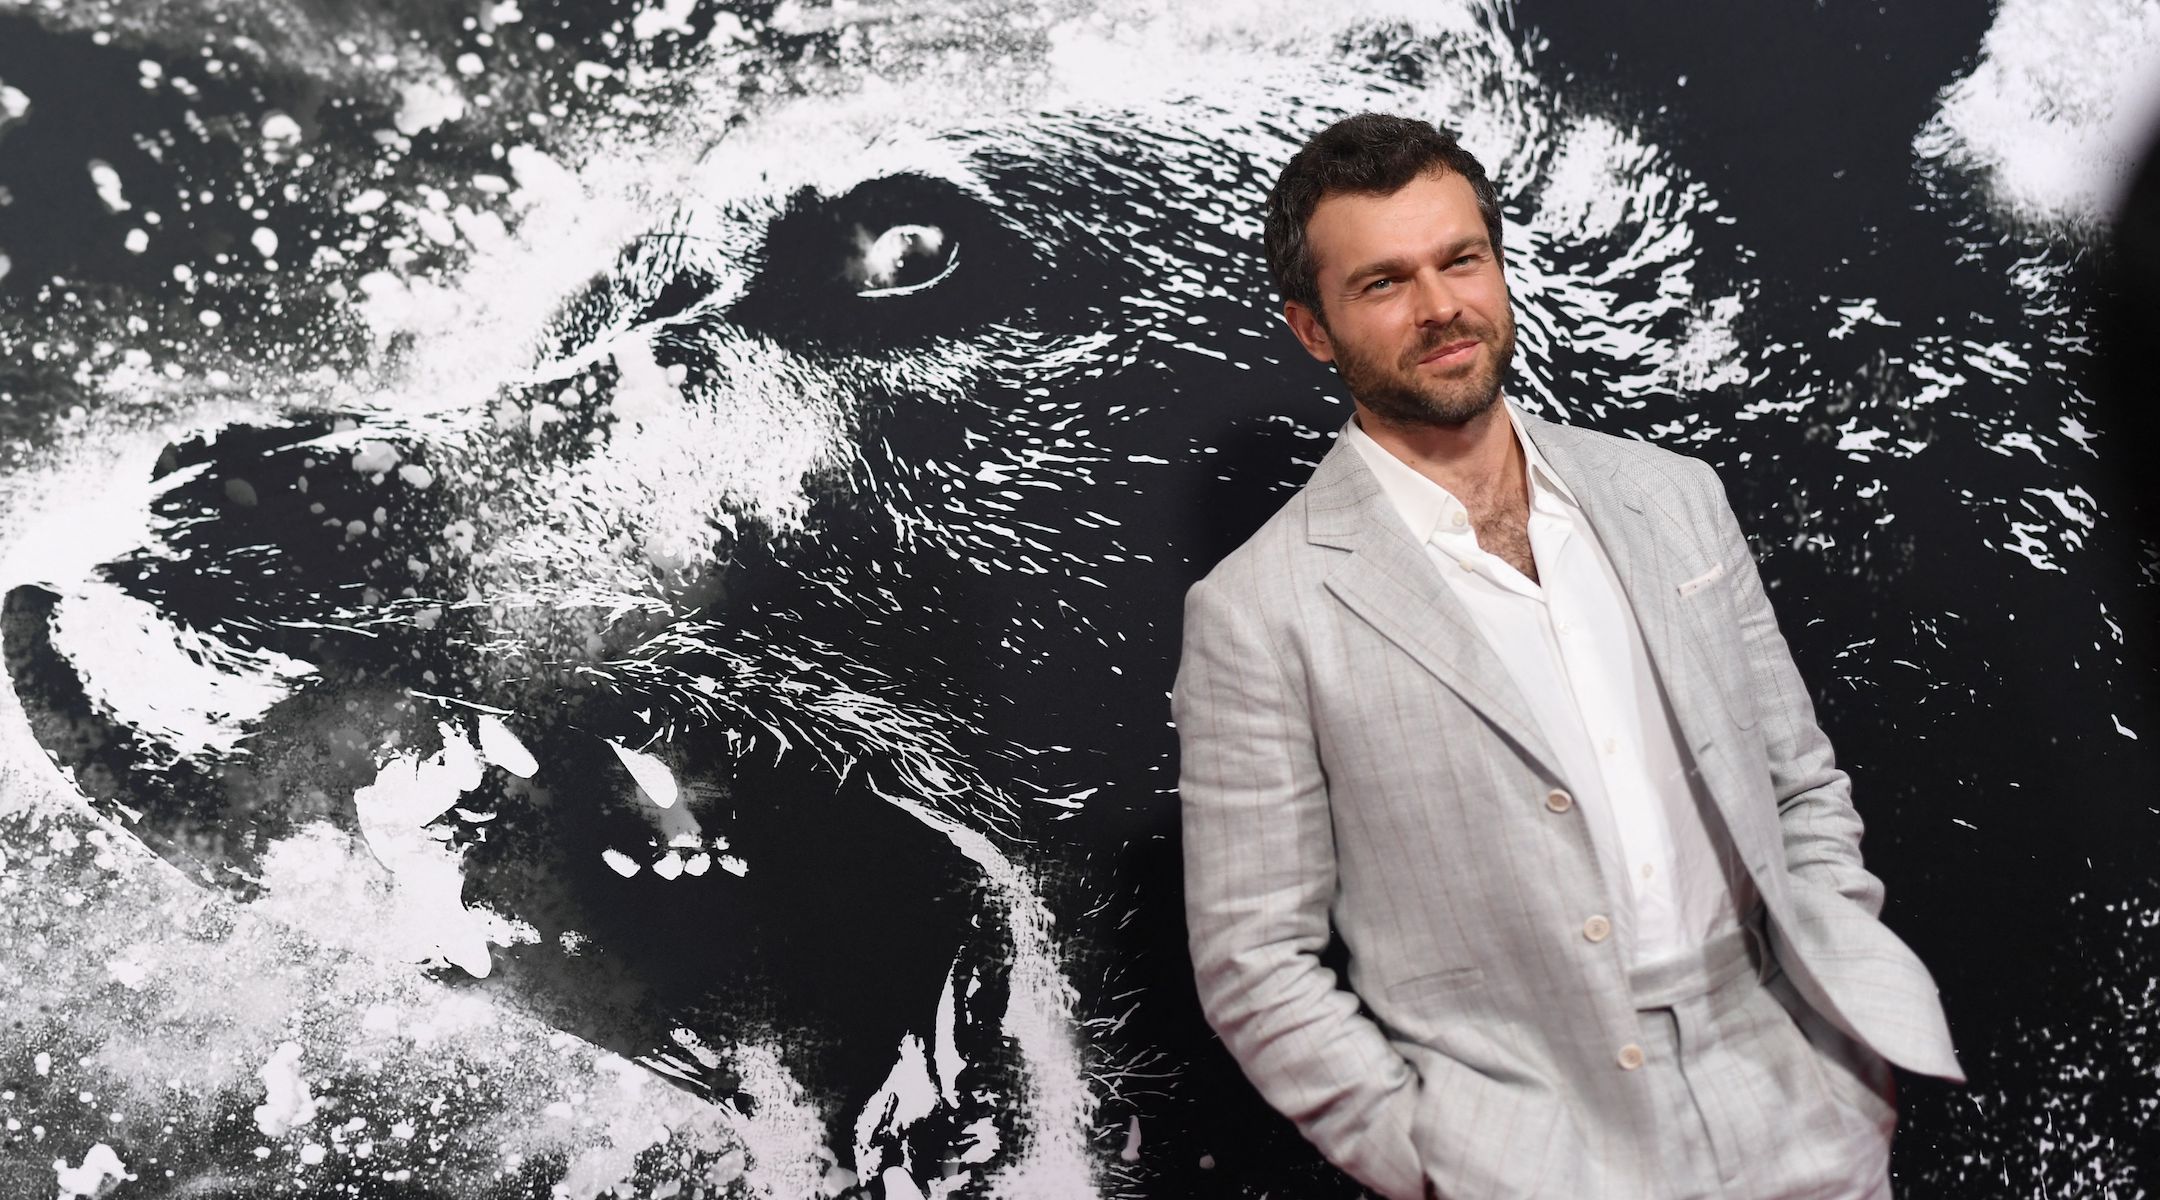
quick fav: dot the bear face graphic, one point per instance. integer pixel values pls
(704, 585)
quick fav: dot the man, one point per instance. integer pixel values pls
(1502, 706)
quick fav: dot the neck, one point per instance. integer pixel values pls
(1473, 460)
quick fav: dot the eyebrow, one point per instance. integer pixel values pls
(1401, 265)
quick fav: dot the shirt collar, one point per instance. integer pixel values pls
(1541, 472)
(1426, 507)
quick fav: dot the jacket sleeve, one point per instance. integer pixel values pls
(1259, 879)
(1821, 830)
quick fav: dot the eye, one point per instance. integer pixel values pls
(1378, 285)
(901, 261)
(881, 263)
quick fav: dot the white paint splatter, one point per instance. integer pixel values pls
(374, 458)
(2058, 109)
(669, 16)
(484, 230)
(100, 1167)
(410, 792)
(1856, 313)
(1579, 200)
(107, 182)
(280, 128)
(541, 179)
(428, 104)
(1859, 442)
(128, 970)
(288, 1103)
(438, 228)
(1708, 356)
(394, 305)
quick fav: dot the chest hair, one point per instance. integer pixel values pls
(1502, 522)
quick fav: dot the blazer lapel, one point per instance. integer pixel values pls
(1390, 582)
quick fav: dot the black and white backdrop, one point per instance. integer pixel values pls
(590, 587)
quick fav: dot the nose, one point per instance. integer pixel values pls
(1434, 301)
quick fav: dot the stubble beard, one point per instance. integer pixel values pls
(1396, 394)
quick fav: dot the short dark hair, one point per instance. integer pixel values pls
(1368, 154)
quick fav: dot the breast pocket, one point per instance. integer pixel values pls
(1707, 600)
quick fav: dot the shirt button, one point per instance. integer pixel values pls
(1612, 746)
(1630, 1057)
(1597, 929)
(1559, 801)
(1648, 870)
(1460, 519)
(1467, 565)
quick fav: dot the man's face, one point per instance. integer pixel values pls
(1415, 305)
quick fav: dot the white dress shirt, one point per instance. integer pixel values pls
(1572, 647)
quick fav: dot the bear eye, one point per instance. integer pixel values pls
(879, 263)
(901, 261)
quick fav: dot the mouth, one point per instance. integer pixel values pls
(900, 1035)
(1451, 354)
(685, 902)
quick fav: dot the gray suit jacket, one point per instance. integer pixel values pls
(1356, 760)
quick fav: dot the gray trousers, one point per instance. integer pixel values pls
(1757, 1097)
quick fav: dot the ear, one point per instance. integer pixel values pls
(1311, 334)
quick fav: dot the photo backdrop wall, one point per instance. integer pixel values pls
(590, 588)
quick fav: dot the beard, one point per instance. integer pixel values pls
(1397, 393)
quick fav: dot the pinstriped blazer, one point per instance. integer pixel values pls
(1355, 760)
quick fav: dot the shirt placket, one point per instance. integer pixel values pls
(1606, 715)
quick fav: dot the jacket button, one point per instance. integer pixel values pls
(1597, 929)
(1559, 801)
(1630, 1057)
